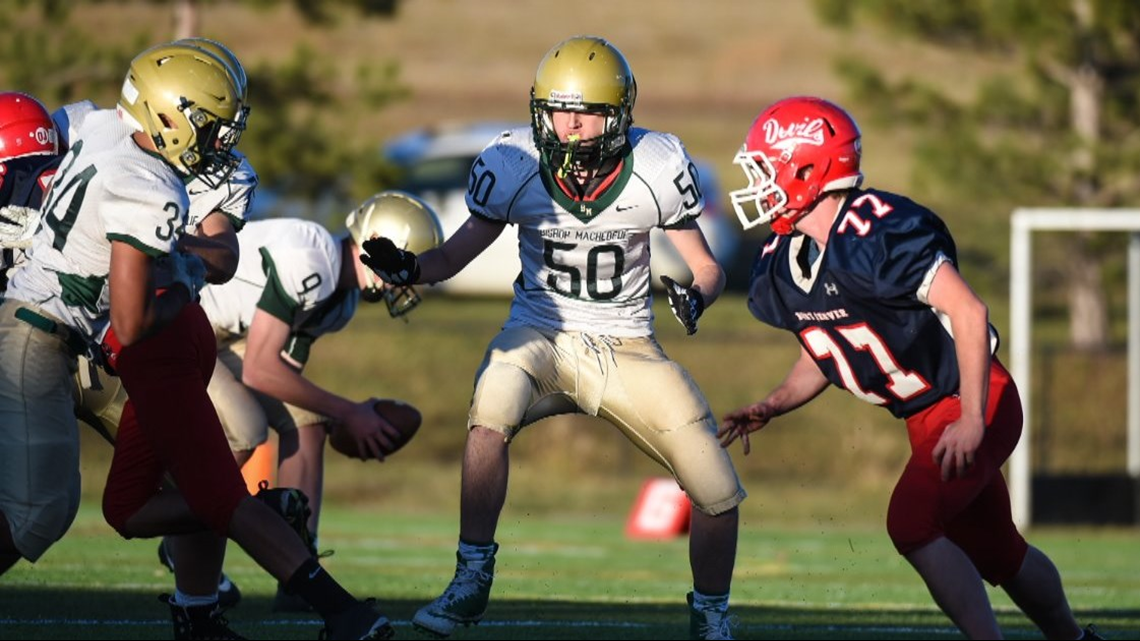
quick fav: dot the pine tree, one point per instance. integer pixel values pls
(1058, 128)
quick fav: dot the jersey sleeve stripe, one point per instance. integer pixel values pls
(137, 244)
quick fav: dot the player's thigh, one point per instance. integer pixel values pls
(39, 460)
(659, 407)
(285, 418)
(240, 412)
(986, 533)
(255, 412)
(644, 383)
(516, 383)
(99, 397)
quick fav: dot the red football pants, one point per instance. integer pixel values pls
(973, 511)
(170, 425)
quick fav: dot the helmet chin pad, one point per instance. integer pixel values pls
(785, 224)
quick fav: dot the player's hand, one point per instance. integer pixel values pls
(687, 304)
(184, 268)
(17, 224)
(954, 453)
(742, 422)
(371, 432)
(393, 265)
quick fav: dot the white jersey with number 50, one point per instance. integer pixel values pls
(107, 189)
(585, 263)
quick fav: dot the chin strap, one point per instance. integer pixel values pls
(783, 226)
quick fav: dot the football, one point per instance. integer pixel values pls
(402, 416)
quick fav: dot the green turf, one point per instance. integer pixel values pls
(563, 576)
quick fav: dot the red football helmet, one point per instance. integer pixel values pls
(26, 128)
(796, 151)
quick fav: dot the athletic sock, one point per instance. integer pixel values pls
(710, 602)
(476, 555)
(319, 589)
(183, 600)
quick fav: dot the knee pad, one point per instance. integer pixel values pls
(502, 396)
(705, 470)
(34, 531)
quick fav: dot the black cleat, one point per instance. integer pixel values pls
(362, 621)
(198, 621)
(228, 593)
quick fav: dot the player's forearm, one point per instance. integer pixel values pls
(437, 265)
(803, 383)
(220, 257)
(709, 280)
(133, 323)
(972, 348)
(136, 312)
(285, 384)
(447, 260)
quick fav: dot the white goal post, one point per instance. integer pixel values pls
(1024, 222)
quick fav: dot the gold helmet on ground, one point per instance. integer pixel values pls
(588, 74)
(185, 98)
(411, 224)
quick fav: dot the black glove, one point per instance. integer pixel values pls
(687, 303)
(393, 265)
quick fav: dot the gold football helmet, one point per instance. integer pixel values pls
(411, 224)
(237, 71)
(582, 73)
(186, 100)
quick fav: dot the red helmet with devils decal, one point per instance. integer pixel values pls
(796, 151)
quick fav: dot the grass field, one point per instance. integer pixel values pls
(562, 577)
(814, 561)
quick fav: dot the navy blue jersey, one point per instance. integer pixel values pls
(857, 307)
(23, 181)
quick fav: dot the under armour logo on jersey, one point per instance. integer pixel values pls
(831, 289)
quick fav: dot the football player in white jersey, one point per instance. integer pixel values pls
(118, 207)
(295, 283)
(217, 211)
(584, 189)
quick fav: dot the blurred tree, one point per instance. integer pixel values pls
(1062, 131)
(298, 149)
